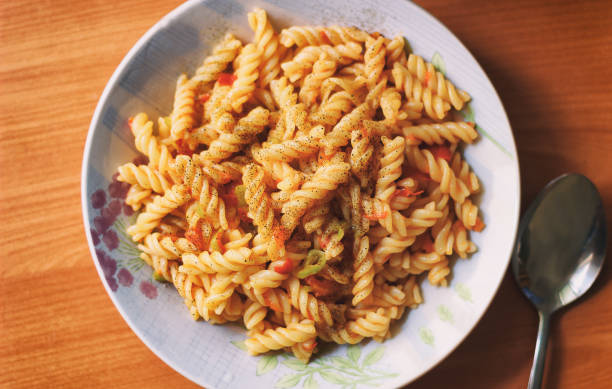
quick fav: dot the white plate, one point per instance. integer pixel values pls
(209, 355)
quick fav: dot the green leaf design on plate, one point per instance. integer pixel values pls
(266, 364)
(445, 314)
(354, 352)
(426, 336)
(346, 371)
(467, 113)
(343, 363)
(463, 291)
(438, 63)
(288, 381)
(468, 116)
(374, 356)
(310, 383)
(240, 344)
(334, 378)
(295, 364)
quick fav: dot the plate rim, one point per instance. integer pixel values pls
(102, 101)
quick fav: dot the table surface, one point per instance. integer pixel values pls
(551, 63)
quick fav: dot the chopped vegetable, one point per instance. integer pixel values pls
(419, 175)
(376, 216)
(427, 77)
(284, 267)
(314, 262)
(441, 152)
(479, 225)
(364, 131)
(325, 38)
(200, 211)
(270, 303)
(338, 226)
(240, 191)
(243, 214)
(158, 277)
(215, 243)
(226, 79)
(324, 241)
(411, 139)
(325, 157)
(309, 345)
(183, 147)
(321, 287)
(130, 120)
(194, 235)
(203, 98)
(428, 245)
(173, 237)
(405, 192)
(280, 235)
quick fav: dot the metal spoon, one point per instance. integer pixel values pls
(559, 252)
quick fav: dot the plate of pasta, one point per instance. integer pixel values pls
(300, 194)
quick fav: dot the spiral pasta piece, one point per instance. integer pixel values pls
(315, 217)
(276, 339)
(299, 147)
(439, 171)
(361, 154)
(390, 167)
(373, 324)
(158, 245)
(216, 262)
(148, 144)
(425, 72)
(438, 133)
(246, 73)
(209, 205)
(390, 245)
(467, 213)
(254, 314)
(137, 196)
(332, 109)
(395, 50)
(325, 179)
(223, 54)
(258, 200)
(462, 245)
(267, 43)
(307, 304)
(416, 92)
(321, 70)
(316, 36)
(462, 170)
(183, 114)
(364, 271)
(390, 103)
(304, 60)
(144, 176)
(156, 210)
(374, 59)
(420, 220)
(244, 132)
(341, 133)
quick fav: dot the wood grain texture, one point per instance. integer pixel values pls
(551, 63)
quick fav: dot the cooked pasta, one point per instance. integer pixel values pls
(305, 184)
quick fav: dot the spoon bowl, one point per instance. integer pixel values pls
(559, 251)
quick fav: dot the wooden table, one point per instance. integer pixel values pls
(551, 64)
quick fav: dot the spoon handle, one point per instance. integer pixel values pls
(535, 378)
